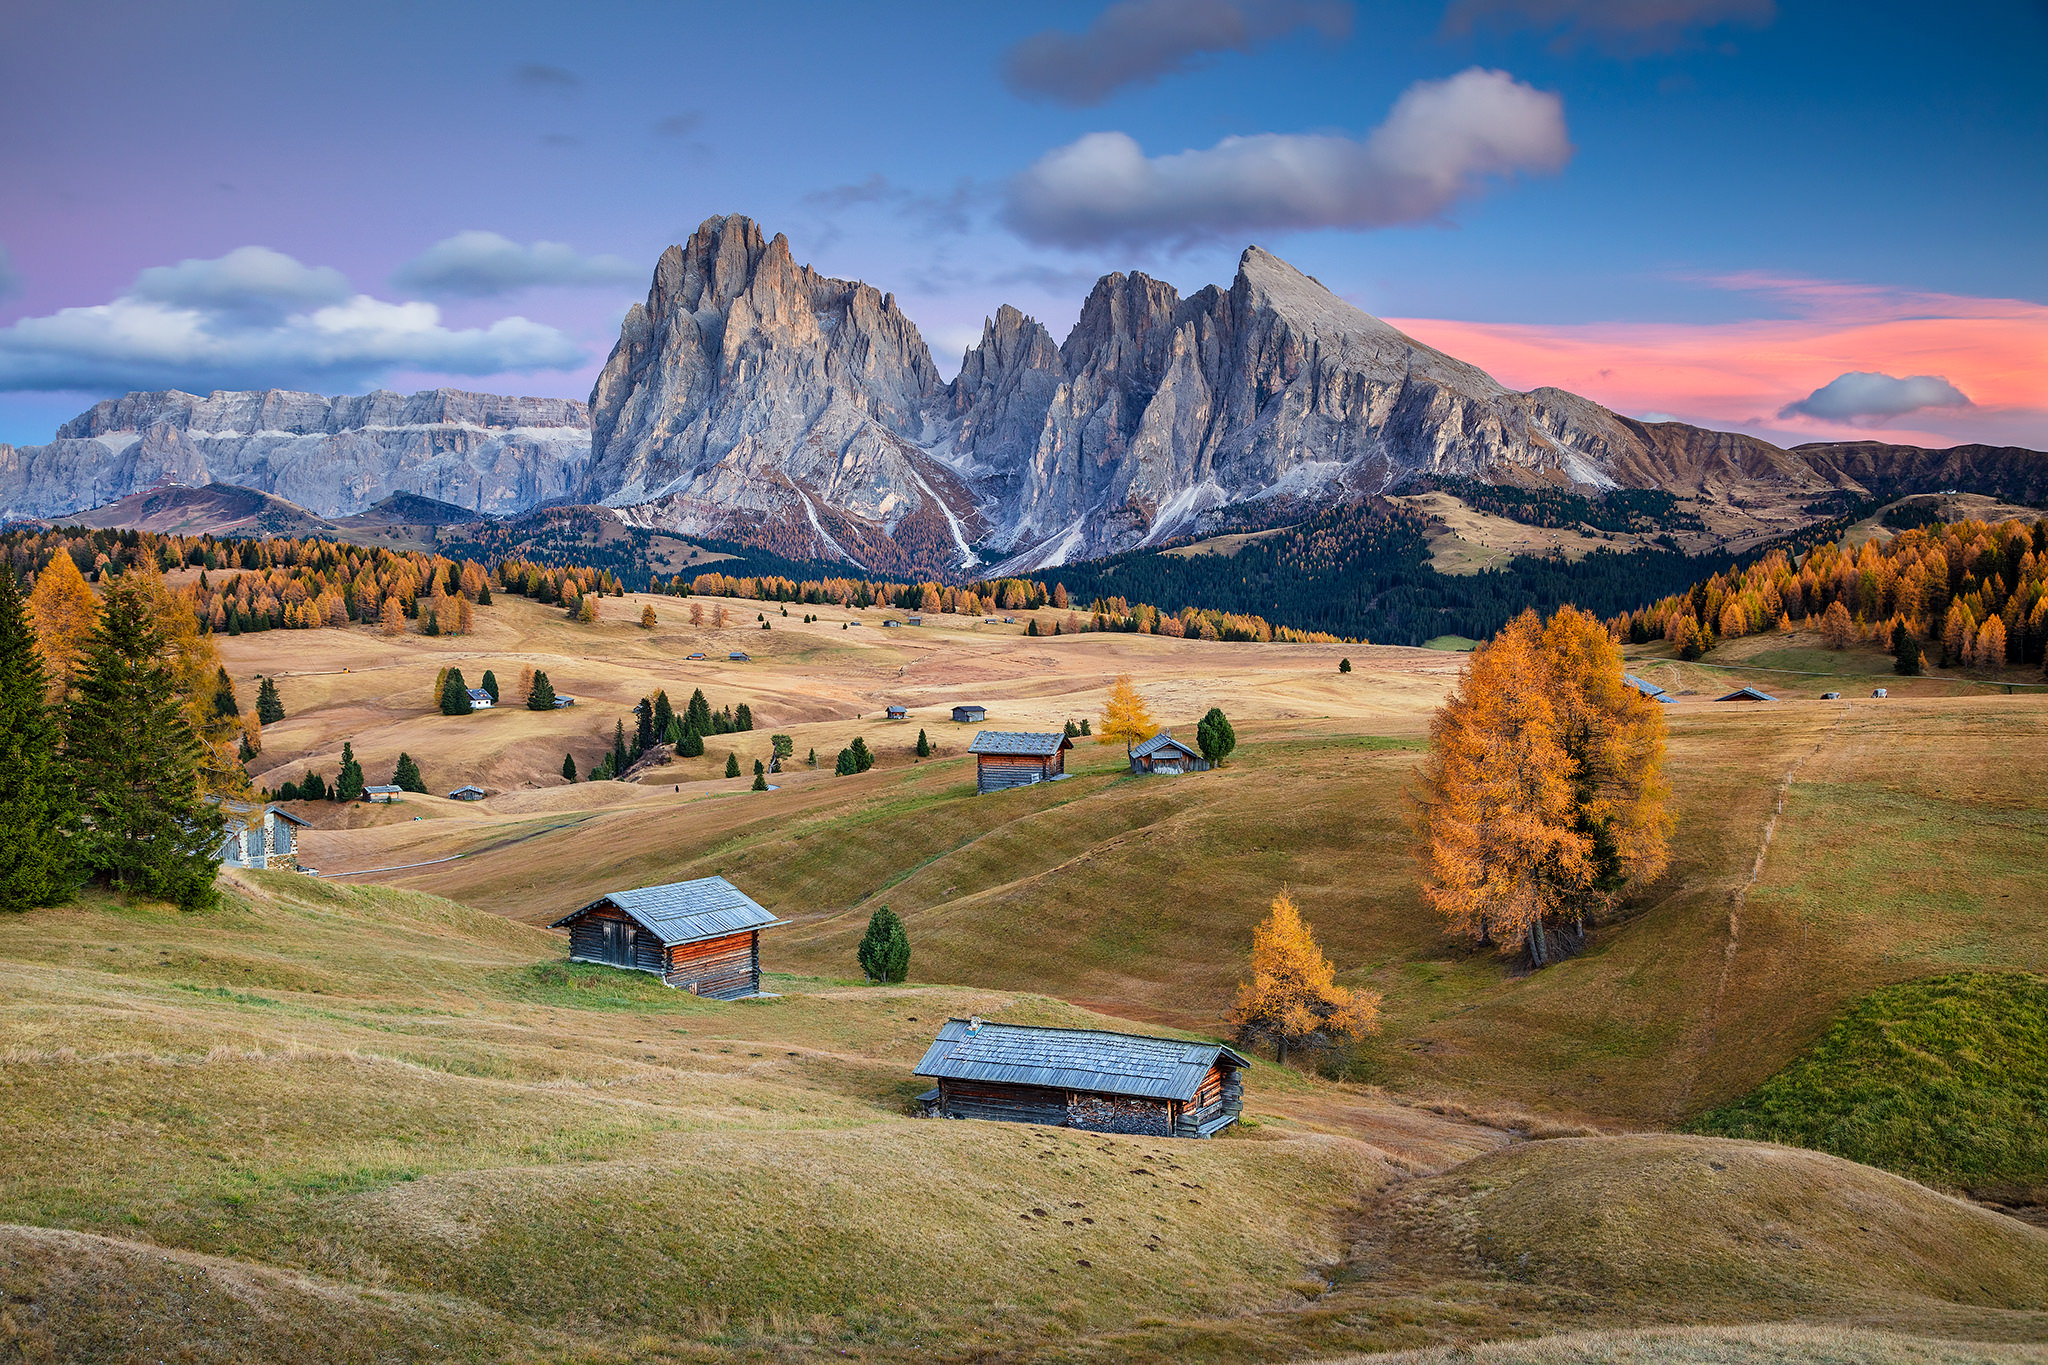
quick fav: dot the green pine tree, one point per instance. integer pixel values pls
(845, 765)
(1906, 657)
(924, 746)
(490, 684)
(697, 716)
(760, 782)
(269, 709)
(36, 835)
(759, 767)
(692, 745)
(813, 759)
(732, 765)
(884, 951)
(135, 761)
(1344, 665)
(224, 703)
(349, 785)
(621, 760)
(312, 787)
(1214, 736)
(455, 695)
(862, 759)
(568, 767)
(406, 776)
(664, 717)
(542, 697)
(244, 750)
(643, 725)
(743, 719)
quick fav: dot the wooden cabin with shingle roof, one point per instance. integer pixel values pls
(702, 936)
(1164, 754)
(1083, 1078)
(1010, 758)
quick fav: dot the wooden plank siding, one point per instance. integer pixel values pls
(1000, 771)
(722, 968)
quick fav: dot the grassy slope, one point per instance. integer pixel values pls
(367, 1087)
(1945, 1079)
(336, 1123)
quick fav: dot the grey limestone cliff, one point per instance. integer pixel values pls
(333, 456)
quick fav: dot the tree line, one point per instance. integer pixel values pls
(1971, 594)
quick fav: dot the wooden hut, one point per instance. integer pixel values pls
(969, 715)
(898, 713)
(1082, 1078)
(701, 936)
(1747, 694)
(258, 836)
(468, 794)
(1009, 758)
(1166, 755)
(1649, 689)
(383, 795)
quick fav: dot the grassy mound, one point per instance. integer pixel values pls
(1773, 1345)
(1679, 1228)
(1945, 1080)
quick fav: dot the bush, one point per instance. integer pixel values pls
(1344, 665)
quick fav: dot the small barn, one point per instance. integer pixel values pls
(899, 713)
(563, 699)
(1082, 1078)
(467, 794)
(381, 795)
(259, 836)
(740, 656)
(1747, 694)
(480, 700)
(914, 619)
(969, 715)
(1009, 758)
(702, 936)
(1166, 755)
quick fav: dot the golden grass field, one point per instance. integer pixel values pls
(375, 1116)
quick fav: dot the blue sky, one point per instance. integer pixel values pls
(1716, 217)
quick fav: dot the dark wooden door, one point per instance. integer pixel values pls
(618, 943)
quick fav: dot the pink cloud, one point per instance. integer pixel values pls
(1740, 375)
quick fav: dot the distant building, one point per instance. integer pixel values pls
(899, 713)
(1831, 696)
(1082, 1078)
(970, 715)
(914, 619)
(1649, 689)
(481, 700)
(563, 699)
(740, 656)
(1006, 758)
(258, 836)
(1747, 694)
(1879, 693)
(696, 656)
(1165, 755)
(467, 794)
(891, 623)
(702, 936)
(382, 795)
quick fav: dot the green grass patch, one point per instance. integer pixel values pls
(589, 986)
(1944, 1079)
(1460, 643)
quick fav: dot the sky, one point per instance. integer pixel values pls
(1800, 219)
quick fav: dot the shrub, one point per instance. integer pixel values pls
(1214, 736)
(884, 951)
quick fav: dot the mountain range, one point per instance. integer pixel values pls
(752, 399)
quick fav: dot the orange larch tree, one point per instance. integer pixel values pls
(63, 611)
(1293, 1000)
(1124, 714)
(1542, 793)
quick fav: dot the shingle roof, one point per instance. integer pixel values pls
(683, 912)
(1747, 694)
(1072, 1059)
(1024, 743)
(1160, 742)
(478, 694)
(1648, 689)
(383, 789)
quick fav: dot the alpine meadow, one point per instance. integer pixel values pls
(1175, 682)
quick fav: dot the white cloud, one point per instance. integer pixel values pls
(1135, 42)
(1439, 144)
(1862, 396)
(479, 265)
(1627, 27)
(256, 318)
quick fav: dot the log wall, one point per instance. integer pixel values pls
(722, 968)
